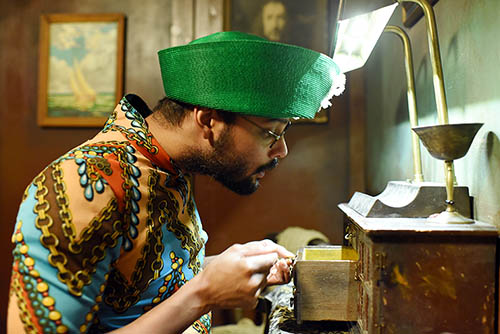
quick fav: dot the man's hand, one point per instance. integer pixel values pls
(236, 277)
(231, 279)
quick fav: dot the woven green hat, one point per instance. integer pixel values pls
(248, 74)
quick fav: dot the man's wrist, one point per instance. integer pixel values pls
(200, 294)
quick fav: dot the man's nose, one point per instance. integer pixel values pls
(279, 149)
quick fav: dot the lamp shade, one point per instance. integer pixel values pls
(356, 37)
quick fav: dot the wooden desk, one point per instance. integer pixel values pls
(417, 277)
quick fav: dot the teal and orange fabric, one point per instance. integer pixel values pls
(105, 233)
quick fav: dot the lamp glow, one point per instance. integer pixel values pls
(357, 36)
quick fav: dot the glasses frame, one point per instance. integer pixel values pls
(275, 136)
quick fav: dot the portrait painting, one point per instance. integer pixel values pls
(302, 23)
(81, 65)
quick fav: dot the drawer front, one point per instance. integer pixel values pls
(326, 289)
(437, 285)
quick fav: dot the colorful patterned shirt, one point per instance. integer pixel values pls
(106, 232)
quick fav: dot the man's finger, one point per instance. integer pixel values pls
(279, 273)
(264, 247)
(261, 263)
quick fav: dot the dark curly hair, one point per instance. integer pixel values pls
(174, 111)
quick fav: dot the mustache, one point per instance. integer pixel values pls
(270, 165)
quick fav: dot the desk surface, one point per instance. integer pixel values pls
(416, 226)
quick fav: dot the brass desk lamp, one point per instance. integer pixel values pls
(356, 36)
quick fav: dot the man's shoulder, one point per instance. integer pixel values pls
(92, 168)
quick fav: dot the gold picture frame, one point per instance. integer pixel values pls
(303, 23)
(80, 73)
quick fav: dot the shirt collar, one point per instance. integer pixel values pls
(129, 119)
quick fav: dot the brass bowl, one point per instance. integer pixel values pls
(448, 141)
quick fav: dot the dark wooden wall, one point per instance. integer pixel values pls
(303, 191)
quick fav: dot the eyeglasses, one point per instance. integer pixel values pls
(275, 136)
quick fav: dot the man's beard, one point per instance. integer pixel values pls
(223, 166)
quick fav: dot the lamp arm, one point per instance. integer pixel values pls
(412, 101)
(437, 68)
(435, 55)
(340, 11)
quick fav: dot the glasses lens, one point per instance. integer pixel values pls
(268, 132)
(281, 135)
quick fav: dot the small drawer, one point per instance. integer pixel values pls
(326, 286)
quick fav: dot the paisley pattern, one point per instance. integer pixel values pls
(105, 233)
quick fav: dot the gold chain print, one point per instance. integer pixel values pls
(75, 281)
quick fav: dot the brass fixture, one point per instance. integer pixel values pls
(435, 55)
(448, 142)
(412, 101)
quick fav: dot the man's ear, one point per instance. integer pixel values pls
(208, 121)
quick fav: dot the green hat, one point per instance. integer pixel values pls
(248, 74)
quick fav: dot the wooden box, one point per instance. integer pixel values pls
(326, 286)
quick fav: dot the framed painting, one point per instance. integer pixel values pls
(303, 23)
(80, 77)
(413, 12)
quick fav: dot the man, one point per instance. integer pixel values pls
(273, 20)
(108, 236)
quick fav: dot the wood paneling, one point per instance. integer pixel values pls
(357, 123)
